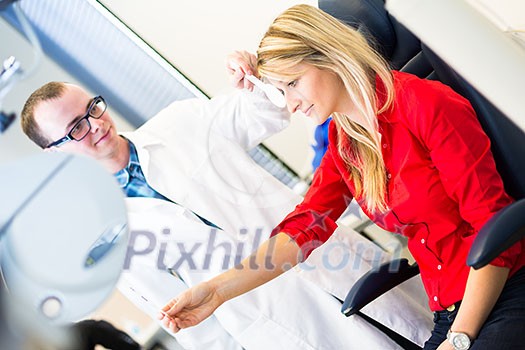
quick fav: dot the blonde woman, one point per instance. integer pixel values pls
(412, 154)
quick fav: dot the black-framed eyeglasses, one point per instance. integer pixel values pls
(96, 109)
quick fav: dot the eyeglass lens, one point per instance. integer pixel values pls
(97, 109)
(81, 129)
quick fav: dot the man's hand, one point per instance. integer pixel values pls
(239, 64)
(190, 308)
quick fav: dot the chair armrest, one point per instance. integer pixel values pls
(500, 232)
(376, 282)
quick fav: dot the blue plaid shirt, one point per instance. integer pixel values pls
(132, 180)
(134, 184)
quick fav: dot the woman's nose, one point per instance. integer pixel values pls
(292, 103)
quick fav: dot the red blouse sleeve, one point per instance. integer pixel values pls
(460, 150)
(313, 221)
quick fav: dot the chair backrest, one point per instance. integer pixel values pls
(507, 139)
(396, 43)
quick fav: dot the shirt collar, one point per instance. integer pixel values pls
(387, 116)
(142, 137)
(123, 175)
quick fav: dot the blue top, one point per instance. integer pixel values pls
(321, 139)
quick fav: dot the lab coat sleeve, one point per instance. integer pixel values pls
(246, 118)
(242, 117)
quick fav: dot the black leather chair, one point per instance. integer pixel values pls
(404, 51)
(508, 147)
(398, 45)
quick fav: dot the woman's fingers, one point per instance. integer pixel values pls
(189, 308)
(239, 64)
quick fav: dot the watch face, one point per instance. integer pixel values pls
(461, 341)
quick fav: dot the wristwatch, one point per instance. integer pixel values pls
(460, 341)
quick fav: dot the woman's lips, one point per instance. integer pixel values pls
(309, 110)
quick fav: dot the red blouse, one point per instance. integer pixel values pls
(442, 186)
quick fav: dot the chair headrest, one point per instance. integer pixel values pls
(507, 139)
(386, 35)
(369, 17)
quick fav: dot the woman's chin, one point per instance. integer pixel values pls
(319, 120)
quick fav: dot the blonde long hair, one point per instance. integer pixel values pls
(305, 34)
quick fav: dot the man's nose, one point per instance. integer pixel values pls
(95, 124)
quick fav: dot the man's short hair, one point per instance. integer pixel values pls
(49, 91)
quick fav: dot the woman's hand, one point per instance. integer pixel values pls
(239, 64)
(190, 308)
(445, 345)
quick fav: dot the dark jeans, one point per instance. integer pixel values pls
(505, 326)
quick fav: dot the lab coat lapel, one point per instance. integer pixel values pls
(186, 157)
(160, 163)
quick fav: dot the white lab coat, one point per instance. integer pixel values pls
(193, 152)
